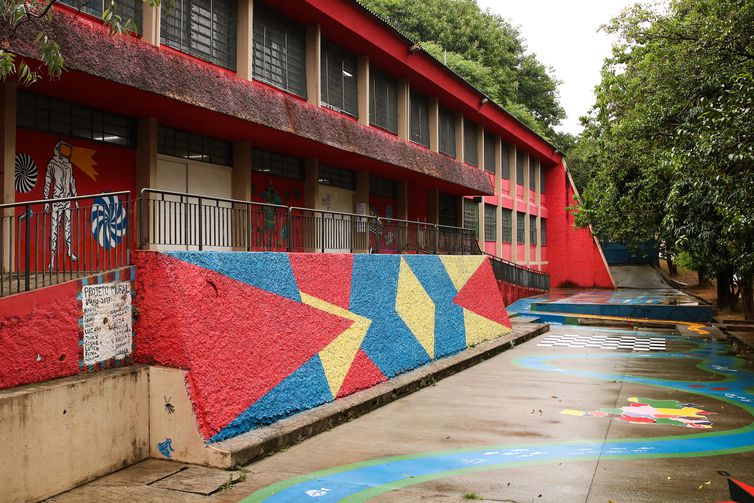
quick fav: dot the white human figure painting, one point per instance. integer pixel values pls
(60, 179)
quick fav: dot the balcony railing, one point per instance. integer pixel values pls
(50, 241)
(174, 220)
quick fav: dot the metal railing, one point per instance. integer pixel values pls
(174, 220)
(519, 275)
(48, 241)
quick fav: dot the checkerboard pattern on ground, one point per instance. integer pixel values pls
(628, 342)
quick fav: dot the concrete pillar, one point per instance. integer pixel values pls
(459, 136)
(311, 182)
(527, 241)
(313, 67)
(361, 197)
(362, 79)
(146, 172)
(538, 181)
(241, 190)
(402, 210)
(433, 206)
(245, 49)
(512, 152)
(403, 109)
(481, 225)
(499, 196)
(434, 125)
(150, 24)
(7, 166)
(459, 211)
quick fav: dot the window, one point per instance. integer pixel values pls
(339, 89)
(447, 132)
(193, 146)
(532, 230)
(541, 179)
(520, 228)
(471, 216)
(203, 28)
(543, 231)
(490, 222)
(448, 206)
(64, 118)
(383, 100)
(126, 9)
(337, 177)
(533, 174)
(419, 119)
(275, 164)
(519, 167)
(506, 162)
(489, 152)
(279, 51)
(507, 225)
(382, 187)
(470, 139)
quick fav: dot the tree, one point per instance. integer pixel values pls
(483, 48)
(671, 140)
(16, 13)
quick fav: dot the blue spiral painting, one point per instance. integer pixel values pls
(109, 221)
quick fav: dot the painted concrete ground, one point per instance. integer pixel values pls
(512, 429)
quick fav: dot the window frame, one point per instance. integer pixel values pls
(348, 101)
(390, 84)
(490, 144)
(532, 230)
(333, 176)
(447, 130)
(292, 78)
(520, 170)
(415, 97)
(507, 224)
(490, 231)
(470, 143)
(277, 164)
(211, 150)
(520, 228)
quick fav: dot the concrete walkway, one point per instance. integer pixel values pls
(498, 431)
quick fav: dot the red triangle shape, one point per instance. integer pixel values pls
(326, 276)
(238, 341)
(481, 295)
(363, 374)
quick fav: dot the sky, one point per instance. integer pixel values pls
(563, 35)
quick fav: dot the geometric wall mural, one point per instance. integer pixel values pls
(266, 335)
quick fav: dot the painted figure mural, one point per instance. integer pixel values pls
(60, 178)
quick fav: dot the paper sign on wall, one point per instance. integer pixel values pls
(106, 322)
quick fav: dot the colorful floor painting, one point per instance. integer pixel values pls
(363, 481)
(629, 342)
(667, 297)
(649, 411)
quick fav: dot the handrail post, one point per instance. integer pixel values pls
(436, 244)
(201, 225)
(377, 235)
(27, 251)
(289, 234)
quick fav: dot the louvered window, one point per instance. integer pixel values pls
(519, 167)
(64, 118)
(506, 162)
(339, 89)
(541, 179)
(448, 206)
(419, 119)
(382, 187)
(470, 139)
(490, 222)
(543, 230)
(507, 225)
(337, 177)
(203, 28)
(279, 51)
(489, 152)
(192, 146)
(383, 100)
(520, 228)
(532, 229)
(447, 132)
(471, 216)
(126, 9)
(272, 163)
(533, 174)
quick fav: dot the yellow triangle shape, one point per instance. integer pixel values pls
(461, 268)
(480, 329)
(338, 356)
(415, 307)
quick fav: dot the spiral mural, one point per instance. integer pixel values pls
(26, 173)
(109, 221)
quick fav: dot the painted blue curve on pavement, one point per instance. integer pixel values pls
(364, 476)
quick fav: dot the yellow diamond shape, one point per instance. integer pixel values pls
(416, 309)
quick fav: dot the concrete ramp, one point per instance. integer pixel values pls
(638, 276)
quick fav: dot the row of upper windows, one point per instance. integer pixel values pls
(471, 221)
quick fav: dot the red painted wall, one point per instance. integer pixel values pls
(573, 255)
(39, 332)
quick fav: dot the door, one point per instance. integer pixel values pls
(337, 231)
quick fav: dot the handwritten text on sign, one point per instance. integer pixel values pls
(107, 321)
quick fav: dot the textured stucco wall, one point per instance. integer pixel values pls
(573, 254)
(40, 331)
(266, 335)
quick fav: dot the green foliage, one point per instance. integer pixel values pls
(483, 48)
(669, 141)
